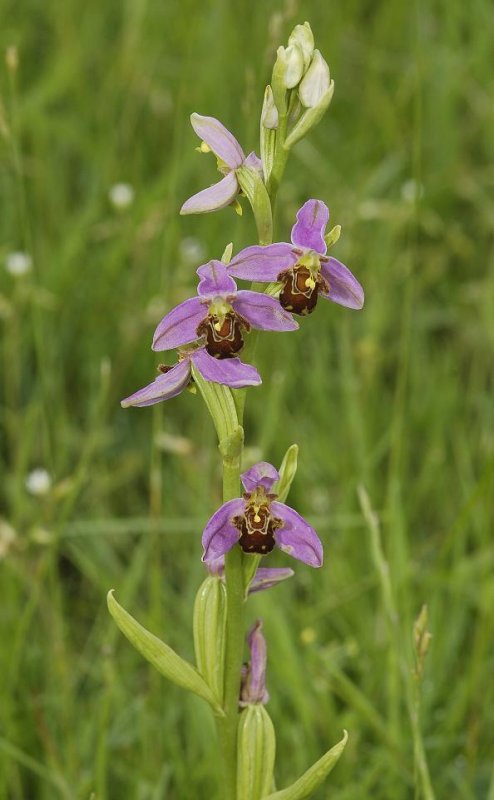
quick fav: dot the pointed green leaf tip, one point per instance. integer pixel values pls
(162, 657)
(315, 775)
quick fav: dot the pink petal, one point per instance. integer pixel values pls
(344, 287)
(219, 195)
(220, 140)
(258, 263)
(228, 371)
(163, 388)
(254, 162)
(266, 577)
(308, 231)
(179, 326)
(215, 280)
(261, 474)
(297, 537)
(263, 312)
(220, 534)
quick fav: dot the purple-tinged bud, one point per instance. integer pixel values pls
(256, 743)
(253, 686)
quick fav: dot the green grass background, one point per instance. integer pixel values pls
(397, 398)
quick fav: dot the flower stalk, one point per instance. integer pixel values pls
(209, 332)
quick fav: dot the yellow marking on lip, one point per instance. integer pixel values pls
(217, 326)
(310, 283)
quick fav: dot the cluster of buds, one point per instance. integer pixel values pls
(300, 76)
(300, 92)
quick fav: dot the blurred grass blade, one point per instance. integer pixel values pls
(315, 775)
(162, 657)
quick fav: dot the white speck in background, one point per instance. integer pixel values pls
(38, 482)
(121, 195)
(18, 263)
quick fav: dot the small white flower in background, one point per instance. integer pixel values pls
(192, 250)
(18, 263)
(121, 195)
(38, 482)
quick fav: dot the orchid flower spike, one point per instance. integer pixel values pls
(253, 682)
(302, 267)
(174, 380)
(258, 522)
(230, 156)
(220, 315)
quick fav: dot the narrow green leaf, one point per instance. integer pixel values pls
(162, 657)
(315, 775)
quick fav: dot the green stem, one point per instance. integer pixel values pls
(227, 726)
(234, 566)
(279, 161)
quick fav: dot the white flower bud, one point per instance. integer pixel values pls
(303, 36)
(289, 66)
(269, 114)
(315, 82)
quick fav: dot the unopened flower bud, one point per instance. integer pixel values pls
(253, 685)
(315, 82)
(269, 114)
(302, 36)
(289, 65)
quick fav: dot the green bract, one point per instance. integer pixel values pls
(209, 633)
(314, 776)
(162, 657)
(256, 752)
